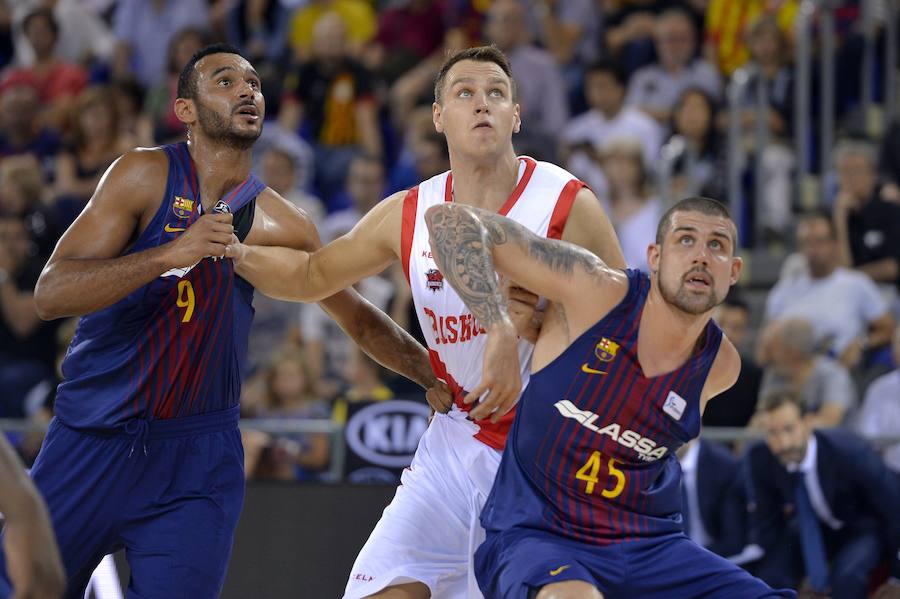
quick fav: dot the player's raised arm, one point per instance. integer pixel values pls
(282, 271)
(32, 557)
(88, 254)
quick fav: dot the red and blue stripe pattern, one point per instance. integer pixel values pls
(174, 347)
(604, 470)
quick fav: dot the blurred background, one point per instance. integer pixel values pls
(786, 111)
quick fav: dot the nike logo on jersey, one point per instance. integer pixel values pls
(559, 570)
(589, 370)
(170, 229)
(645, 447)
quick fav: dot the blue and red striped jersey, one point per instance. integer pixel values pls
(591, 453)
(176, 346)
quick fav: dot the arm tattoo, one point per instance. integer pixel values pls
(462, 249)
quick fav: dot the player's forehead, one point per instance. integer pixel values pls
(221, 62)
(703, 224)
(476, 72)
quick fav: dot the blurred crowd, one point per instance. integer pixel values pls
(629, 95)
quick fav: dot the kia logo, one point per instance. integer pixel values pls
(387, 433)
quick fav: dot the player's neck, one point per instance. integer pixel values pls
(673, 332)
(484, 184)
(219, 168)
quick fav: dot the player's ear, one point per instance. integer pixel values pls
(186, 111)
(436, 110)
(517, 122)
(653, 257)
(737, 265)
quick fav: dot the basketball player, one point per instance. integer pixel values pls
(424, 543)
(145, 452)
(587, 500)
(35, 569)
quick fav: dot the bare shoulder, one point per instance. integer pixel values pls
(136, 177)
(589, 226)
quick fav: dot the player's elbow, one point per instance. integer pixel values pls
(46, 302)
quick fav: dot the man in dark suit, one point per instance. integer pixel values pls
(713, 502)
(825, 507)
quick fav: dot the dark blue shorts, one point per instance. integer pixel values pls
(516, 563)
(169, 491)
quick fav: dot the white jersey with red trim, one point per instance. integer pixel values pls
(541, 201)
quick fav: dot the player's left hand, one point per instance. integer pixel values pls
(439, 397)
(523, 311)
(501, 379)
(889, 590)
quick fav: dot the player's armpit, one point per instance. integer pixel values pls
(723, 374)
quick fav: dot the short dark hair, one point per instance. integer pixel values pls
(699, 204)
(479, 54)
(38, 13)
(609, 67)
(187, 80)
(778, 397)
(818, 214)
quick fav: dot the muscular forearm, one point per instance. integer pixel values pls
(19, 495)
(380, 337)
(76, 286)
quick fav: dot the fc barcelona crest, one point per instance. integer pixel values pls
(606, 350)
(434, 280)
(182, 207)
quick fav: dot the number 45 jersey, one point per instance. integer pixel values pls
(176, 346)
(591, 451)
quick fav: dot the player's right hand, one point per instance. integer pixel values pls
(439, 397)
(523, 310)
(208, 236)
(502, 378)
(32, 558)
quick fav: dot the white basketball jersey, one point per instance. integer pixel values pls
(541, 201)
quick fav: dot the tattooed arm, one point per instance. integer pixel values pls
(471, 245)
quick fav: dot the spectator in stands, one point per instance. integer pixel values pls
(727, 22)
(880, 413)
(713, 505)
(365, 380)
(656, 88)
(540, 87)
(628, 32)
(854, 317)
(142, 27)
(569, 29)
(868, 227)
(96, 141)
(20, 130)
(332, 97)
(822, 384)
(634, 210)
(736, 406)
(56, 80)
(769, 66)
(22, 195)
(84, 37)
(357, 18)
(694, 150)
(408, 33)
(279, 170)
(824, 505)
(363, 188)
(27, 345)
(607, 118)
(158, 121)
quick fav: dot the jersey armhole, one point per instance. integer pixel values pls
(563, 207)
(408, 228)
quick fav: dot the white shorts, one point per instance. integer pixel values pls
(431, 529)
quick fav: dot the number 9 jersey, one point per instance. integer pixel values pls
(591, 454)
